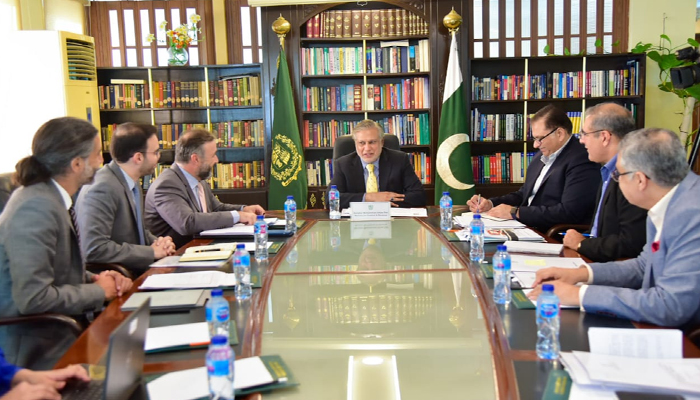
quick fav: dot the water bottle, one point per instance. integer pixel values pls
(293, 257)
(334, 202)
(446, 211)
(241, 267)
(220, 358)
(217, 314)
(476, 239)
(501, 276)
(548, 323)
(290, 215)
(335, 235)
(260, 239)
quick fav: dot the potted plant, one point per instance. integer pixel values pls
(178, 40)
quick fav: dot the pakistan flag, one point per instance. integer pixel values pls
(287, 167)
(454, 159)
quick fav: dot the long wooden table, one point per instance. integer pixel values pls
(435, 315)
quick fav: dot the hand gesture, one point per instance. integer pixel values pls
(255, 209)
(479, 204)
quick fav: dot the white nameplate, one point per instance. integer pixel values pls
(370, 211)
(370, 229)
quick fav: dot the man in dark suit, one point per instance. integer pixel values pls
(180, 202)
(110, 215)
(560, 178)
(373, 173)
(41, 269)
(618, 227)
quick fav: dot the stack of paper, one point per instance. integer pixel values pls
(489, 222)
(189, 280)
(177, 336)
(236, 230)
(524, 268)
(396, 212)
(530, 247)
(637, 360)
(502, 235)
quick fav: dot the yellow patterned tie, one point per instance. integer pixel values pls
(371, 180)
(372, 241)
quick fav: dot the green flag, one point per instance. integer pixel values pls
(287, 166)
(453, 161)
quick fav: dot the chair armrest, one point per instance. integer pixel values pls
(70, 322)
(554, 231)
(97, 268)
(694, 336)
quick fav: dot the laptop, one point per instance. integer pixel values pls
(124, 362)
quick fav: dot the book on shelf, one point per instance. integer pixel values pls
(501, 167)
(496, 127)
(231, 134)
(411, 129)
(235, 90)
(238, 175)
(319, 172)
(365, 24)
(123, 96)
(323, 134)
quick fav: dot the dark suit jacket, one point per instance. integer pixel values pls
(172, 208)
(395, 175)
(41, 271)
(107, 220)
(621, 228)
(566, 195)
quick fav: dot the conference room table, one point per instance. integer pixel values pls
(374, 310)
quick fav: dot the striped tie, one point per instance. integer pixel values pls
(74, 221)
(371, 180)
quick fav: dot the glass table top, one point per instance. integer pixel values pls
(379, 310)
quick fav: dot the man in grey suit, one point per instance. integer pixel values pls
(41, 269)
(181, 204)
(110, 216)
(660, 286)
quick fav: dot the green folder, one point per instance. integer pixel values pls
(280, 372)
(558, 385)
(521, 301)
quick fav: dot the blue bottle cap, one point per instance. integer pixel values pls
(477, 216)
(240, 246)
(445, 193)
(217, 292)
(547, 287)
(261, 217)
(334, 187)
(501, 247)
(219, 339)
(290, 197)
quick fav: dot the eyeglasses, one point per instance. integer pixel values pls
(584, 133)
(539, 140)
(155, 152)
(615, 175)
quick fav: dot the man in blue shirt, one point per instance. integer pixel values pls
(618, 229)
(25, 384)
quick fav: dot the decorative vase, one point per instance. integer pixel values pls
(177, 57)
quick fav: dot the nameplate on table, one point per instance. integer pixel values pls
(370, 229)
(370, 211)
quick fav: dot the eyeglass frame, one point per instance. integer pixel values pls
(539, 140)
(615, 174)
(155, 152)
(583, 133)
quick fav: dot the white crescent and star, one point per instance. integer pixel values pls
(443, 161)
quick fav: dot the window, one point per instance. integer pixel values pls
(244, 32)
(523, 28)
(121, 28)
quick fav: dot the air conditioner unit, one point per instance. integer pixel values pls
(47, 74)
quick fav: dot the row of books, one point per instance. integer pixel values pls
(411, 129)
(238, 175)
(319, 172)
(409, 93)
(376, 308)
(230, 91)
(323, 134)
(365, 24)
(496, 127)
(176, 94)
(239, 133)
(421, 164)
(559, 85)
(501, 167)
(124, 96)
(332, 98)
(389, 57)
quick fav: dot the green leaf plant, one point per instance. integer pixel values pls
(664, 54)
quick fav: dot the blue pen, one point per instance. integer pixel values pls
(584, 234)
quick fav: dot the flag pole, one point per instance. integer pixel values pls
(281, 27)
(452, 21)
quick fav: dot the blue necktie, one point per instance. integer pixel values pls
(139, 219)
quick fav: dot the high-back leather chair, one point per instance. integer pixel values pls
(345, 145)
(6, 189)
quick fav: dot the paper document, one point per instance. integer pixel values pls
(534, 263)
(236, 230)
(189, 280)
(527, 292)
(530, 247)
(177, 335)
(503, 235)
(396, 212)
(169, 299)
(192, 383)
(174, 261)
(489, 222)
(641, 343)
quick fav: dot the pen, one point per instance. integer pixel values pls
(478, 201)
(584, 234)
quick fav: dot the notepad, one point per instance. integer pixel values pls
(238, 229)
(189, 280)
(208, 253)
(176, 336)
(530, 247)
(170, 300)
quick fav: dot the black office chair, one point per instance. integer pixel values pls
(345, 145)
(6, 189)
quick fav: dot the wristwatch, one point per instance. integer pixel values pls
(514, 212)
(579, 246)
